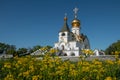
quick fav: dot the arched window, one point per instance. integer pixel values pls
(63, 34)
(72, 54)
(65, 54)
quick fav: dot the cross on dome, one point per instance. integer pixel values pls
(65, 18)
(65, 14)
(75, 10)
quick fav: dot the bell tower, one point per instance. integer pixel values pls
(76, 23)
(64, 32)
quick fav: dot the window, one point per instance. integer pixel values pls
(65, 54)
(63, 34)
(72, 54)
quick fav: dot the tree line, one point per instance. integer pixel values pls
(113, 48)
(11, 49)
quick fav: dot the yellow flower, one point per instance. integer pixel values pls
(95, 70)
(31, 67)
(118, 62)
(59, 72)
(35, 77)
(87, 52)
(20, 74)
(79, 63)
(98, 63)
(25, 74)
(102, 70)
(85, 69)
(117, 52)
(53, 51)
(9, 77)
(73, 73)
(17, 65)
(7, 65)
(110, 62)
(86, 63)
(116, 56)
(108, 78)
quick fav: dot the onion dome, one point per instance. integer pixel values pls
(75, 22)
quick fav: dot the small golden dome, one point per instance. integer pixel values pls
(65, 18)
(76, 23)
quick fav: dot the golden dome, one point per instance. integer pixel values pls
(76, 23)
(65, 18)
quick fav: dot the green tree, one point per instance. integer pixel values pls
(3, 47)
(22, 51)
(113, 47)
(11, 49)
(37, 47)
(49, 47)
(8, 49)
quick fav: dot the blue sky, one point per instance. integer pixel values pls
(26, 23)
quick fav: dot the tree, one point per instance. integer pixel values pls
(22, 50)
(49, 47)
(1, 50)
(8, 49)
(113, 47)
(30, 50)
(37, 47)
(11, 49)
(3, 47)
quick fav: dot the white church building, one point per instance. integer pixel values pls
(71, 41)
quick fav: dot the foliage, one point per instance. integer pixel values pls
(22, 50)
(53, 52)
(36, 47)
(87, 52)
(113, 47)
(53, 68)
(8, 49)
(11, 49)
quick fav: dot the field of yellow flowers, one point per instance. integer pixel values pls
(53, 68)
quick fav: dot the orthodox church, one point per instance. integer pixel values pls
(71, 42)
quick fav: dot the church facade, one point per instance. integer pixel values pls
(71, 42)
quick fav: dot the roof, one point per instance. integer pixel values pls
(65, 27)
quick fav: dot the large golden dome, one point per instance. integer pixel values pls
(76, 23)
